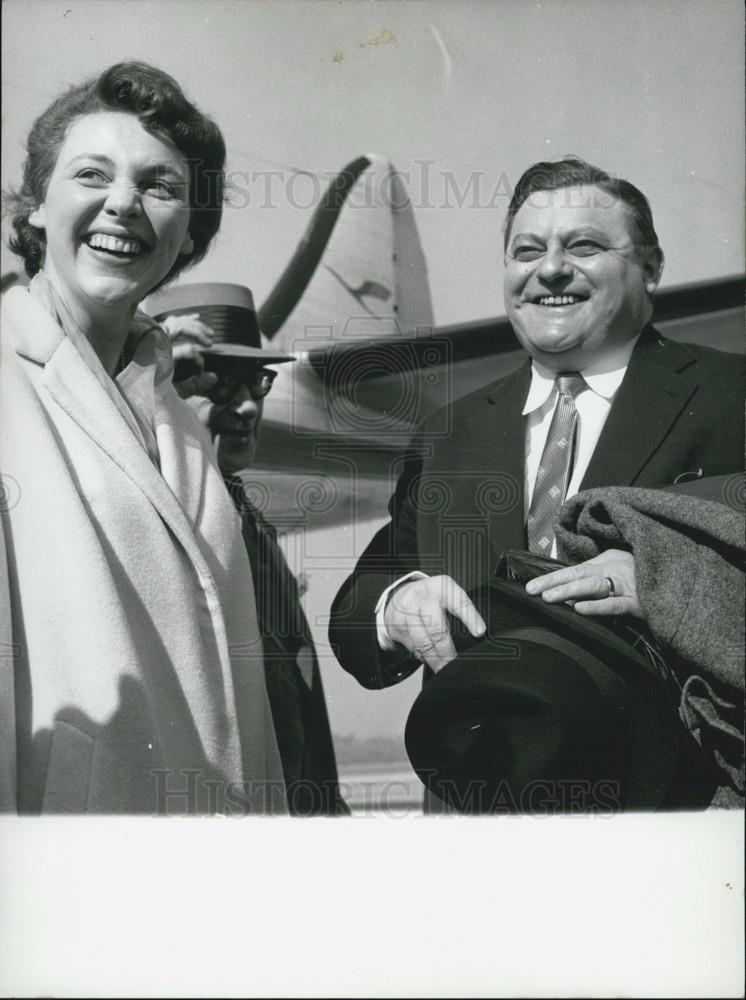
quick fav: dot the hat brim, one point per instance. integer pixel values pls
(563, 619)
(249, 355)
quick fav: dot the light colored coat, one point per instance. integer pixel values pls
(132, 679)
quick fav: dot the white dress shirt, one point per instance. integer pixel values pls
(592, 404)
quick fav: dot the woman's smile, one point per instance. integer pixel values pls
(120, 247)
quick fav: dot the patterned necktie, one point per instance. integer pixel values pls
(555, 466)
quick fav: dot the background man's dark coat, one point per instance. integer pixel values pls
(294, 686)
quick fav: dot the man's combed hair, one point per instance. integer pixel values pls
(552, 175)
(161, 107)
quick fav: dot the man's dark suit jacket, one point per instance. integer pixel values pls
(460, 500)
(297, 701)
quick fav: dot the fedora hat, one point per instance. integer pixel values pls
(548, 712)
(229, 310)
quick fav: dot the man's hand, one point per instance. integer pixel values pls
(196, 385)
(604, 585)
(415, 618)
(189, 335)
(186, 334)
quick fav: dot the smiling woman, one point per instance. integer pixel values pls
(116, 219)
(124, 156)
(138, 684)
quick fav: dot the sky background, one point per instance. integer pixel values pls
(460, 95)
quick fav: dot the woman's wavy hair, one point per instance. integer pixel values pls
(161, 107)
(571, 171)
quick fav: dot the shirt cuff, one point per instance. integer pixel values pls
(384, 641)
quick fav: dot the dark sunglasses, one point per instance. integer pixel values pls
(258, 382)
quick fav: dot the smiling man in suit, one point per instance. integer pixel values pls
(602, 400)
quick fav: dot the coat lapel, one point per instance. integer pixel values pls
(659, 381)
(71, 383)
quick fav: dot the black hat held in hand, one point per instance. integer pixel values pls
(552, 712)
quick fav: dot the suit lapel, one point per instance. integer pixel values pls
(503, 425)
(659, 381)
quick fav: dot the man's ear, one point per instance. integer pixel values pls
(38, 217)
(652, 264)
(187, 246)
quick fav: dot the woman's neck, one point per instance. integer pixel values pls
(106, 332)
(105, 327)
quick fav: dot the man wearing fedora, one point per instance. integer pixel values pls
(220, 368)
(603, 400)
